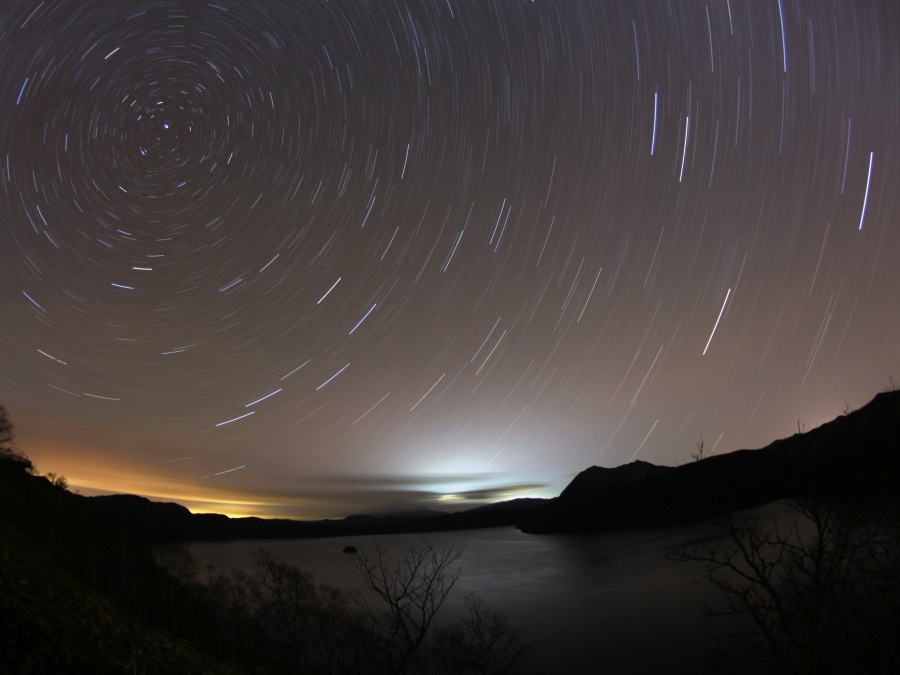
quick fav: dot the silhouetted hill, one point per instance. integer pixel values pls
(854, 457)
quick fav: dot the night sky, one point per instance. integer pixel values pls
(308, 258)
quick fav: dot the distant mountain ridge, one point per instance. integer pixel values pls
(167, 522)
(853, 457)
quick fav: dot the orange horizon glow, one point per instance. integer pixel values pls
(82, 455)
(91, 477)
(88, 475)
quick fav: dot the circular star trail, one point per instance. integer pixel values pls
(314, 258)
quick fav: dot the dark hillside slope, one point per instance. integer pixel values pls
(854, 457)
(80, 596)
(52, 623)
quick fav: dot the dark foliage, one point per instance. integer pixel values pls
(483, 642)
(7, 431)
(9, 453)
(818, 590)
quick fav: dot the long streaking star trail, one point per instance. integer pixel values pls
(427, 392)
(263, 398)
(329, 291)
(235, 419)
(237, 468)
(333, 376)
(862, 215)
(359, 323)
(718, 318)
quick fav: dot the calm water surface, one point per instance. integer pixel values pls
(606, 603)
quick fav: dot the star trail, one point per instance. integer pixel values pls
(311, 258)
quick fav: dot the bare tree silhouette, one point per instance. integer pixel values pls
(8, 450)
(411, 591)
(699, 453)
(820, 594)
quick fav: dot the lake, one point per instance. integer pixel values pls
(606, 603)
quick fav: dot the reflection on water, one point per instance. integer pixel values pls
(602, 603)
